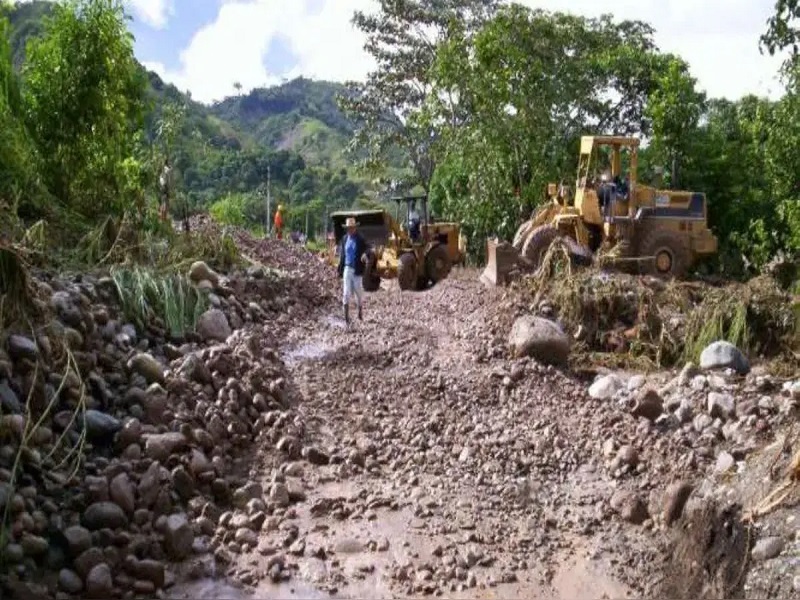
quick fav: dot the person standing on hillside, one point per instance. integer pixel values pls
(165, 189)
(352, 258)
(278, 222)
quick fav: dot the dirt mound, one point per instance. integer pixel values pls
(659, 324)
(311, 277)
(709, 558)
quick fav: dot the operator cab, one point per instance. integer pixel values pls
(414, 218)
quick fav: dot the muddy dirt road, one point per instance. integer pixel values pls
(432, 464)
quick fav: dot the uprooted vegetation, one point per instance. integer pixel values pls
(148, 271)
(625, 319)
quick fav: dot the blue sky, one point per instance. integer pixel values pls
(205, 46)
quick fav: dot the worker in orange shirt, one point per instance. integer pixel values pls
(278, 222)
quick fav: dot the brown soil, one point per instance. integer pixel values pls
(709, 556)
(449, 480)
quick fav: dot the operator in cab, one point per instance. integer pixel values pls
(605, 193)
(622, 186)
(414, 222)
(352, 260)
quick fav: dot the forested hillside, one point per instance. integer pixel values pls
(223, 152)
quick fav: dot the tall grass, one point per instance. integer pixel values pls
(726, 322)
(146, 295)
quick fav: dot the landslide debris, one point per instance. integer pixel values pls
(646, 322)
(236, 431)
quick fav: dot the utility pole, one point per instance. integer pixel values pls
(269, 201)
(306, 222)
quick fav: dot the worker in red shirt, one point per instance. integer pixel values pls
(278, 222)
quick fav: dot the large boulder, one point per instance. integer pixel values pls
(724, 355)
(213, 325)
(539, 338)
(200, 271)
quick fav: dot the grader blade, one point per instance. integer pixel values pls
(501, 259)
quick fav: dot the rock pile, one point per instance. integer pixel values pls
(701, 422)
(118, 447)
(308, 277)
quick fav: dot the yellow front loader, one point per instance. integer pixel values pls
(611, 218)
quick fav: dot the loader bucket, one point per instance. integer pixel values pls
(501, 259)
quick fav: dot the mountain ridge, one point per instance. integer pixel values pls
(300, 115)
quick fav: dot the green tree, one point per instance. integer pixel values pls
(674, 108)
(783, 31)
(170, 126)
(19, 188)
(783, 164)
(84, 96)
(530, 84)
(402, 37)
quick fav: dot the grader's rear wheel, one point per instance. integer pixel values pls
(407, 271)
(437, 264)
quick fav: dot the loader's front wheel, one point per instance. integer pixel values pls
(579, 255)
(521, 234)
(371, 280)
(669, 256)
(407, 271)
(437, 264)
(537, 243)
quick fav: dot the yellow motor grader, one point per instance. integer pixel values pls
(611, 217)
(419, 254)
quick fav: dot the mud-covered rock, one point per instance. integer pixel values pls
(99, 583)
(104, 515)
(148, 367)
(178, 536)
(767, 548)
(200, 271)
(213, 325)
(539, 338)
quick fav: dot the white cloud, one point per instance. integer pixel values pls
(719, 39)
(232, 48)
(155, 13)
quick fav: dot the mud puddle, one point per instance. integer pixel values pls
(220, 589)
(304, 352)
(360, 557)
